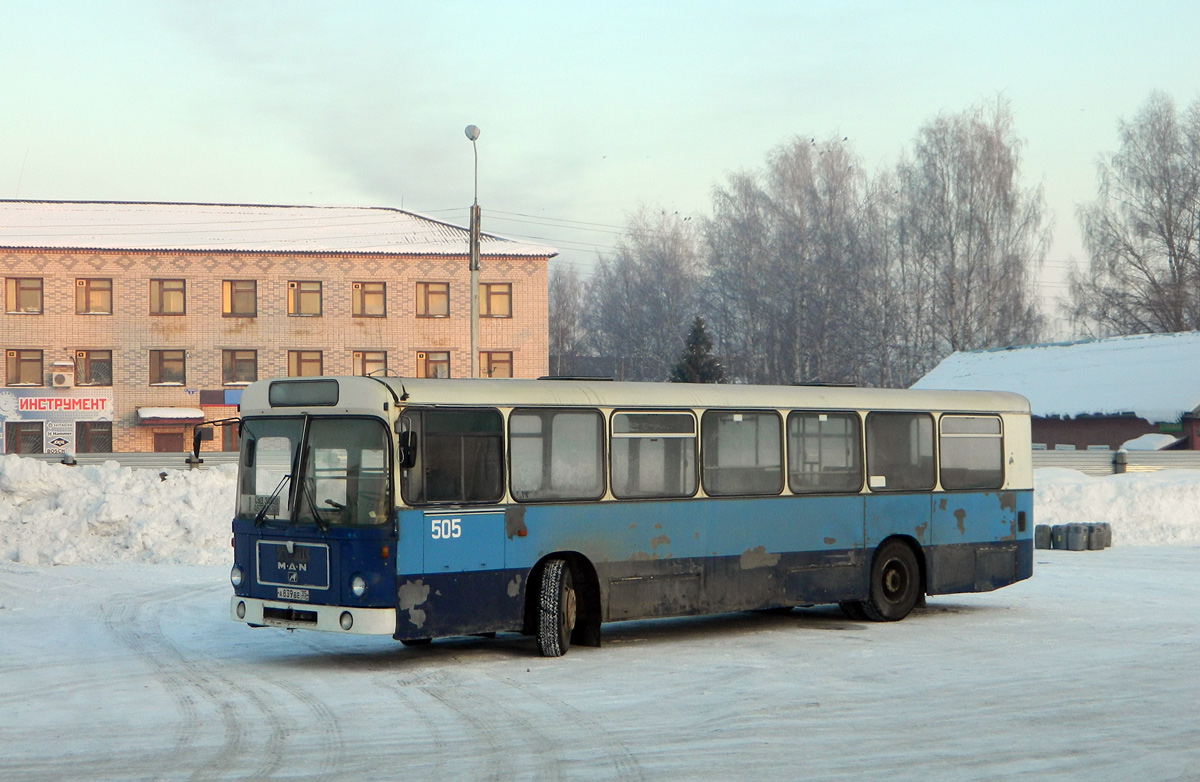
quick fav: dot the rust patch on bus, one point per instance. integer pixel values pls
(410, 595)
(961, 515)
(658, 526)
(758, 557)
(514, 586)
(661, 540)
(1008, 501)
(514, 521)
(830, 541)
(921, 530)
(643, 556)
(942, 504)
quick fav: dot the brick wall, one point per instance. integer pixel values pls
(131, 332)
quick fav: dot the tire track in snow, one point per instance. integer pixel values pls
(624, 763)
(137, 623)
(503, 728)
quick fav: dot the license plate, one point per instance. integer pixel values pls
(283, 593)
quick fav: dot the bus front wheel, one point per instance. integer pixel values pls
(895, 583)
(556, 609)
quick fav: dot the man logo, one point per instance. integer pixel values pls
(293, 577)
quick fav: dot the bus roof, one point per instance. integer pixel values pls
(364, 393)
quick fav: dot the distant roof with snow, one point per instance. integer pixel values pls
(100, 225)
(1154, 376)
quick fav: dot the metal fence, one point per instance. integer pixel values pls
(1110, 462)
(147, 461)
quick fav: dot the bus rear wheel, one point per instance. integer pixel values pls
(895, 583)
(556, 609)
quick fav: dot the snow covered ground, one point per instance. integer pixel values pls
(123, 664)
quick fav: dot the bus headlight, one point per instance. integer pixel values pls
(358, 586)
(236, 576)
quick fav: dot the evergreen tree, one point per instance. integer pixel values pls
(697, 364)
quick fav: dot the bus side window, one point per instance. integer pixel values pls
(653, 454)
(900, 452)
(459, 456)
(742, 452)
(972, 449)
(556, 454)
(824, 452)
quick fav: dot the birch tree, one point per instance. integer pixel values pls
(1141, 232)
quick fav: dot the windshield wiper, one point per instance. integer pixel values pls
(312, 505)
(302, 489)
(261, 517)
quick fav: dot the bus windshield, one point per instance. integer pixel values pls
(344, 464)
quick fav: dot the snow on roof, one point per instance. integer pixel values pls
(1154, 376)
(95, 225)
(1151, 441)
(169, 414)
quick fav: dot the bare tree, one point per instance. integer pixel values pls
(972, 236)
(566, 332)
(643, 296)
(785, 263)
(1141, 232)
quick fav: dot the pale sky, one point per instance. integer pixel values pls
(586, 112)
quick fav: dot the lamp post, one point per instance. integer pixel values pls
(472, 132)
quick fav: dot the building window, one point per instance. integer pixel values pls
(167, 367)
(93, 367)
(370, 362)
(93, 437)
(23, 295)
(23, 437)
(93, 297)
(304, 363)
(239, 298)
(25, 368)
(433, 299)
(239, 366)
(495, 363)
(304, 298)
(433, 364)
(495, 300)
(167, 297)
(368, 299)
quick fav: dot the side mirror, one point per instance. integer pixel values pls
(199, 435)
(406, 451)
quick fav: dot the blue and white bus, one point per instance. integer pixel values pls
(424, 508)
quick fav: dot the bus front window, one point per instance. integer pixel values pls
(268, 454)
(345, 474)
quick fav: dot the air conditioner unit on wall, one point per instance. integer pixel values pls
(62, 374)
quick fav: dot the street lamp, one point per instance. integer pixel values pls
(472, 132)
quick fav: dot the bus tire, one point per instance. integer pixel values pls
(853, 609)
(895, 583)
(556, 609)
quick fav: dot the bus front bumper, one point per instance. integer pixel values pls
(305, 616)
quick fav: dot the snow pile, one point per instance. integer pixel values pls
(1144, 509)
(51, 514)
